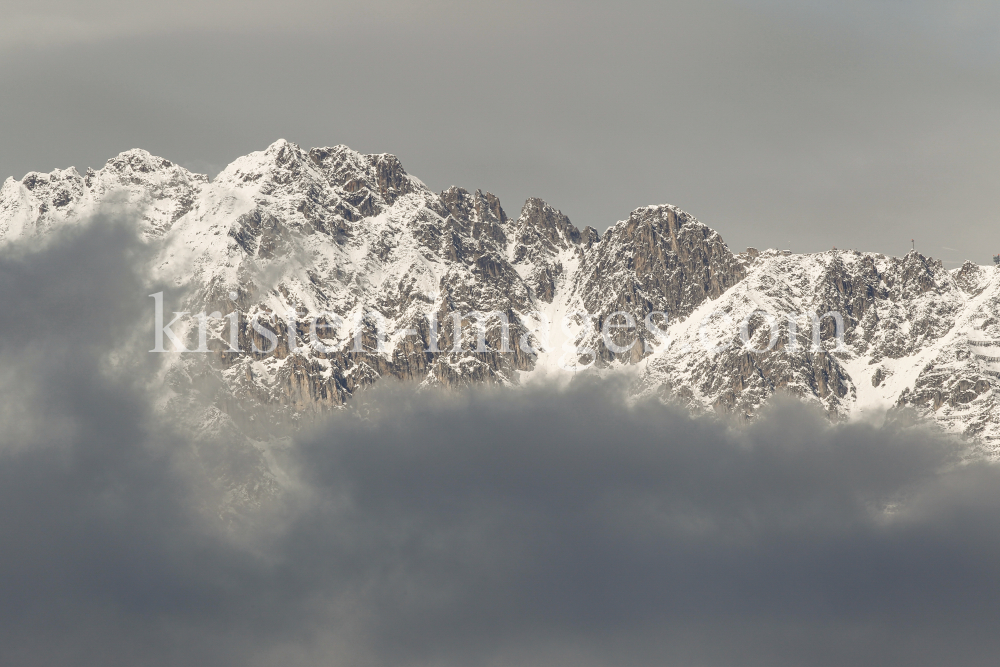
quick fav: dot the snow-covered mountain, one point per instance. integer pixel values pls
(331, 233)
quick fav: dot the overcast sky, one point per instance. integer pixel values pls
(781, 123)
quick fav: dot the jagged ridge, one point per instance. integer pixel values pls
(332, 230)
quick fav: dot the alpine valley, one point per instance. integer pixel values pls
(383, 261)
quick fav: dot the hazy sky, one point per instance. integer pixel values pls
(780, 123)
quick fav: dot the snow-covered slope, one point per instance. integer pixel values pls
(332, 233)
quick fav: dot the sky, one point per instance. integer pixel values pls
(797, 125)
(535, 526)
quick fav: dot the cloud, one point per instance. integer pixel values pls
(574, 526)
(531, 526)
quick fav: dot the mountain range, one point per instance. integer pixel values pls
(386, 267)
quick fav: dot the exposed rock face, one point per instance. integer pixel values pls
(541, 237)
(284, 236)
(659, 260)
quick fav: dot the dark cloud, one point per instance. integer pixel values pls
(537, 526)
(569, 523)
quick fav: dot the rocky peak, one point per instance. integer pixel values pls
(142, 173)
(381, 175)
(918, 274)
(280, 163)
(478, 212)
(36, 181)
(660, 259)
(55, 189)
(672, 255)
(162, 190)
(474, 207)
(540, 241)
(137, 161)
(588, 237)
(542, 230)
(390, 177)
(38, 201)
(970, 278)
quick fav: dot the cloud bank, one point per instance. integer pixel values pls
(540, 526)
